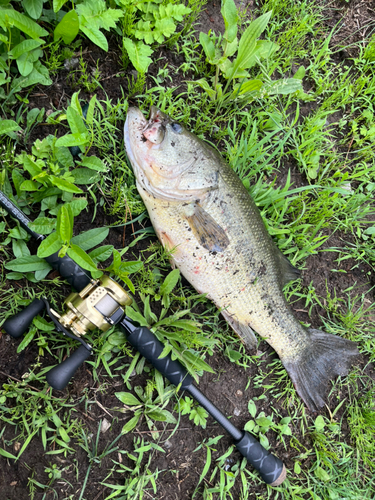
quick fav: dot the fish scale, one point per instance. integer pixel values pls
(204, 216)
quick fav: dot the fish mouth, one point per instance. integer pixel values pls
(151, 132)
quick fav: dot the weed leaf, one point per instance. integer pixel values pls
(68, 27)
(91, 238)
(50, 245)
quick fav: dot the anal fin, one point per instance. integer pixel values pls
(288, 271)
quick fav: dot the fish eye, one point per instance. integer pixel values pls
(176, 127)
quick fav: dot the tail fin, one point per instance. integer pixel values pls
(326, 357)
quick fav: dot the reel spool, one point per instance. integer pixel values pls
(99, 305)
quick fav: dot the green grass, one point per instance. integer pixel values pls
(323, 137)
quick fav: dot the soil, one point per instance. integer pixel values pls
(230, 388)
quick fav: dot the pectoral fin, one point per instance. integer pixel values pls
(206, 230)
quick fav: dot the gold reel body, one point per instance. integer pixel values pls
(98, 305)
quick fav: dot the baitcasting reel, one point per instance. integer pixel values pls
(99, 305)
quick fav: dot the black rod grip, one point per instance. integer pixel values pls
(142, 339)
(70, 270)
(20, 322)
(58, 377)
(270, 468)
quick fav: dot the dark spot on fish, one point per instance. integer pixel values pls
(213, 252)
(143, 139)
(235, 272)
(189, 228)
(262, 269)
(173, 144)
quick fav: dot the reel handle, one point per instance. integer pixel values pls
(20, 322)
(58, 377)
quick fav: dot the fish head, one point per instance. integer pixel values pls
(162, 152)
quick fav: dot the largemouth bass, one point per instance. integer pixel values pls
(204, 216)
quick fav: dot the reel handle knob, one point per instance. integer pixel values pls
(270, 468)
(58, 377)
(20, 322)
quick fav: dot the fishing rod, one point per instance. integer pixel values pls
(99, 303)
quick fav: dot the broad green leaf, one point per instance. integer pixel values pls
(75, 121)
(68, 28)
(252, 408)
(75, 104)
(78, 204)
(12, 17)
(91, 238)
(43, 325)
(129, 426)
(85, 176)
(164, 28)
(20, 248)
(322, 474)
(157, 415)
(170, 282)
(230, 16)
(247, 44)
(33, 8)
(96, 36)
(138, 53)
(206, 87)
(29, 186)
(144, 31)
(81, 258)
(34, 168)
(25, 64)
(23, 47)
(102, 253)
(94, 163)
(26, 340)
(48, 246)
(69, 140)
(127, 398)
(90, 110)
(208, 47)
(231, 48)
(300, 73)
(57, 4)
(284, 86)
(39, 75)
(64, 225)
(65, 185)
(130, 266)
(7, 126)
(319, 423)
(27, 264)
(248, 86)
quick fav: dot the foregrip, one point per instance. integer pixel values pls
(142, 339)
(72, 272)
(270, 468)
